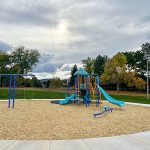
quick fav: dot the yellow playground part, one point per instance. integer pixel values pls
(86, 87)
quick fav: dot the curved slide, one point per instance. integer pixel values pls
(109, 98)
(68, 99)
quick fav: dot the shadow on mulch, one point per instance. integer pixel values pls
(55, 102)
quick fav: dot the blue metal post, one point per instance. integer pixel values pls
(9, 92)
(87, 92)
(78, 91)
(75, 85)
(10, 86)
(14, 92)
(75, 90)
(97, 91)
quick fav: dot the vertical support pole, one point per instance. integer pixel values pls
(0, 80)
(75, 89)
(78, 87)
(84, 82)
(87, 93)
(147, 80)
(75, 86)
(68, 90)
(95, 83)
(97, 91)
(14, 92)
(86, 97)
(9, 92)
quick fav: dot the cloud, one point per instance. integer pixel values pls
(148, 37)
(5, 46)
(29, 12)
(63, 72)
(43, 75)
(69, 31)
(46, 68)
(143, 22)
(46, 64)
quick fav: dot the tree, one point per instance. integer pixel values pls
(99, 64)
(146, 48)
(88, 65)
(130, 56)
(114, 70)
(140, 84)
(136, 60)
(20, 61)
(56, 82)
(72, 78)
(36, 82)
(4, 62)
(132, 79)
(23, 60)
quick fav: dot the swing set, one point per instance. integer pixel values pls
(12, 86)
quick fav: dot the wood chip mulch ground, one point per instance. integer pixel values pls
(42, 120)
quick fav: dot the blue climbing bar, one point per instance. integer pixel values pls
(9, 91)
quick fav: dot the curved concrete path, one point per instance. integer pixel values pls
(139, 141)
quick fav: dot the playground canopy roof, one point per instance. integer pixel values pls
(81, 72)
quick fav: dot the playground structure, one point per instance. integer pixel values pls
(86, 87)
(87, 90)
(12, 86)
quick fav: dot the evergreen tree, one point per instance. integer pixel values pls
(72, 78)
(99, 64)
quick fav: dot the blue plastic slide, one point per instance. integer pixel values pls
(110, 99)
(68, 99)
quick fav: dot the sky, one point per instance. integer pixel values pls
(67, 31)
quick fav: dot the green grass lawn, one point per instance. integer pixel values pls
(134, 99)
(52, 94)
(33, 94)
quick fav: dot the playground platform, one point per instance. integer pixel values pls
(139, 141)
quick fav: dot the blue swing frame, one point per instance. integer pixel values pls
(11, 77)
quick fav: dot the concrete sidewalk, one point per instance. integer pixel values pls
(139, 141)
